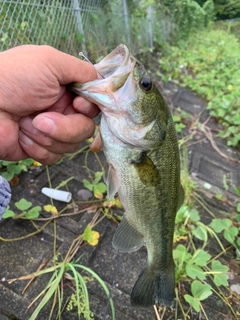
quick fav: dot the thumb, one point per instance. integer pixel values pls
(71, 69)
(70, 128)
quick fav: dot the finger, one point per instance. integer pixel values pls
(10, 149)
(71, 128)
(46, 142)
(38, 152)
(85, 107)
(64, 101)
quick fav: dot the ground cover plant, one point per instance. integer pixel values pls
(208, 63)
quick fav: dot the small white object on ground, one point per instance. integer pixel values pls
(59, 195)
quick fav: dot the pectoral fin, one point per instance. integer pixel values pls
(111, 181)
(147, 171)
(126, 238)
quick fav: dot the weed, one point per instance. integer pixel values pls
(26, 211)
(74, 302)
(208, 63)
(9, 169)
(98, 188)
(195, 265)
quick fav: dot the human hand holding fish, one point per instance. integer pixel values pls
(143, 167)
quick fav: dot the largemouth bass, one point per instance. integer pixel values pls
(143, 166)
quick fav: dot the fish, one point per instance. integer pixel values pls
(140, 144)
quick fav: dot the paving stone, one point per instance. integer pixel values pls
(212, 168)
(124, 311)
(3, 317)
(188, 101)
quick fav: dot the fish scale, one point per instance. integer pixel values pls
(141, 148)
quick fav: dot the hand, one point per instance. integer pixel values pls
(39, 117)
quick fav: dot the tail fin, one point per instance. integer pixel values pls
(152, 288)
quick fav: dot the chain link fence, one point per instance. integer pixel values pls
(60, 24)
(92, 26)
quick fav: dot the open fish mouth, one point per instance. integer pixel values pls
(118, 61)
(120, 99)
(114, 71)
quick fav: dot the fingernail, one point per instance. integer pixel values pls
(24, 139)
(44, 124)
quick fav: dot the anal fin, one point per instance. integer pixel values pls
(126, 238)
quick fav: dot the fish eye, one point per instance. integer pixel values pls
(145, 84)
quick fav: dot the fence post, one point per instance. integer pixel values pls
(125, 14)
(77, 10)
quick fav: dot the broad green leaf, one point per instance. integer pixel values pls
(98, 177)
(180, 214)
(99, 190)
(27, 162)
(194, 271)
(7, 175)
(16, 168)
(237, 191)
(23, 204)
(237, 216)
(176, 118)
(33, 213)
(7, 163)
(194, 215)
(87, 185)
(230, 234)
(200, 232)
(180, 253)
(200, 291)
(101, 187)
(179, 126)
(193, 302)
(200, 257)
(237, 243)
(219, 272)
(8, 214)
(218, 225)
